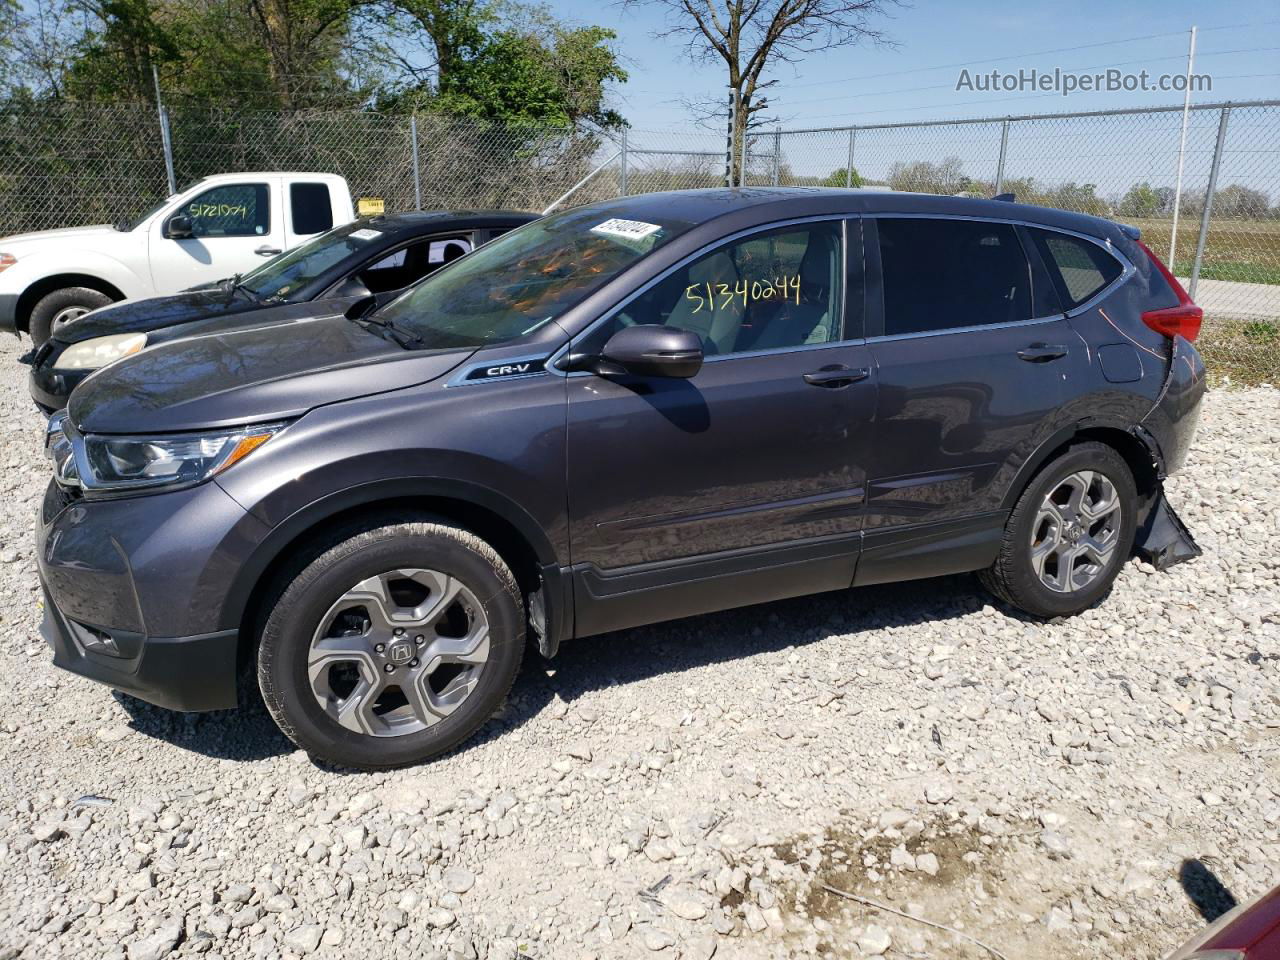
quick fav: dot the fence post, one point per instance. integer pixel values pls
(166, 141)
(848, 167)
(622, 178)
(1004, 146)
(777, 155)
(729, 145)
(1208, 199)
(417, 174)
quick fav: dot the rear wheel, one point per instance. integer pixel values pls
(55, 310)
(393, 646)
(1069, 534)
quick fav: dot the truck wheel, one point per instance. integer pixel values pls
(55, 310)
(393, 646)
(1069, 534)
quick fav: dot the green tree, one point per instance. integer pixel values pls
(1140, 202)
(841, 177)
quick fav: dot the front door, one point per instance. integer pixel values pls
(747, 482)
(971, 358)
(234, 228)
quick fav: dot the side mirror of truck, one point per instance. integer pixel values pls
(178, 227)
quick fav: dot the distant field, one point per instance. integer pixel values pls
(1247, 251)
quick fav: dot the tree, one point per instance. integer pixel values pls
(1141, 202)
(752, 37)
(521, 76)
(924, 176)
(1240, 202)
(841, 178)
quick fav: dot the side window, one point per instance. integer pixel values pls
(940, 274)
(1079, 268)
(771, 290)
(410, 264)
(309, 208)
(231, 210)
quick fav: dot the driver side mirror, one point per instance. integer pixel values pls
(179, 227)
(653, 350)
(352, 287)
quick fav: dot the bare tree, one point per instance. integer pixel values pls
(753, 37)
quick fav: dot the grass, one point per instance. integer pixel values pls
(1247, 251)
(1240, 353)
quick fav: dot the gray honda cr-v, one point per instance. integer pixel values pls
(643, 409)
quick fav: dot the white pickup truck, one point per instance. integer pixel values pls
(218, 227)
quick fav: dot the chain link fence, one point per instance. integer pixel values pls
(66, 164)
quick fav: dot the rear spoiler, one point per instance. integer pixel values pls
(1130, 231)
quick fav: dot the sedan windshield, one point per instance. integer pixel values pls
(512, 286)
(282, 277)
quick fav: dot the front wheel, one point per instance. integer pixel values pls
(1069, 534)
(55, 310)
(393, 646)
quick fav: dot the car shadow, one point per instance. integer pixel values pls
(582, 666)
(1205, 891)
(247, 733)
(674, 647)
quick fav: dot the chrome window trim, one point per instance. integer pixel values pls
(840, 218)
(1127, 271)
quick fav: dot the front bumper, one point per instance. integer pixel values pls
(179, 673)
(135, 588)
(50, 388)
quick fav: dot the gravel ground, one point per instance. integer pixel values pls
(1069, 790)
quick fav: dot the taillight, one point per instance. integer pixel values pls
(1183, 320)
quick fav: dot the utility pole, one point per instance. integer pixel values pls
(1182, 150)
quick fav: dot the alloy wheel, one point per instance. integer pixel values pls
(398, 652)
(1076, 531)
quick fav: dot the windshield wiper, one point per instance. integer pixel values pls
(232, 284)
(396, 334)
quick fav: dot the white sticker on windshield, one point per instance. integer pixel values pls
(627, 229)
(365, 234)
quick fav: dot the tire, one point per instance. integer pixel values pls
(1050, 564)
(373, 579)
(62, 306)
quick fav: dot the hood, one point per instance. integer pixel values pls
(251, 374)
(152, 313)
(68, 234)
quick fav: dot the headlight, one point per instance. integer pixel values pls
(106, 464)
(98, 352)
(7, 260)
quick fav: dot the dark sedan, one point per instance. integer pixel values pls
(375, 255)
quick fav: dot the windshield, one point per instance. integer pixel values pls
(283, 276)
(124, 224)
(513, 285)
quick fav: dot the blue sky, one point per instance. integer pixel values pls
(1239, 44)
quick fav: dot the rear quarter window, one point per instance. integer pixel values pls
(1079, 268)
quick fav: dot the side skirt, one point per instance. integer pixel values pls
(930, 549)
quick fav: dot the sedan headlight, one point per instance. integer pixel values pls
(98, 352)
(107, 464)
(7, 260)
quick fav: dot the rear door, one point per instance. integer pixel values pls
(234, 227)
(745, 483)
(972, 356)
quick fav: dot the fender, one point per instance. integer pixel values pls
(1042, 453)
(306, 518)
(33, 267)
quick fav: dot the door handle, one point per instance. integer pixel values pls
(1042, 352)
(836, 376)
(265, 251)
